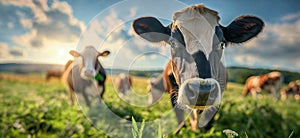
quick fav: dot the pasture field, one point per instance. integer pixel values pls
(32, 107)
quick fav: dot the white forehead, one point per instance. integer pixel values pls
(89, 52)
(197, 28)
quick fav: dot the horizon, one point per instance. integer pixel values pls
(144, 69)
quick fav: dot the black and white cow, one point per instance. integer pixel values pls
(197, 43)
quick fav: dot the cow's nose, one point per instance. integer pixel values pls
(89, 73)
(198, 92)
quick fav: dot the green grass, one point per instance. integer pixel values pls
(32, 107)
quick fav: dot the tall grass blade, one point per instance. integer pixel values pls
(291, 134)
(134, 128)
(141, 129)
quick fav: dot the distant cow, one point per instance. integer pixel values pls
(123, 84)
(292, 89)
(54, 73)
(270, 82)
(197, 43)
(57, 73)
(155, 89)
(88, 73)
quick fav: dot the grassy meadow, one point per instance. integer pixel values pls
(32, 107)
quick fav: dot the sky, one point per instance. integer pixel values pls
(43, 31)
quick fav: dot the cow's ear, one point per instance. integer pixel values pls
(243, 28)
(75, 53)
(104, 53)
(151, 29)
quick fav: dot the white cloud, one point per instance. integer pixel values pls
(291, 17)
(49, 23)
(33, 5)
(111, 31)
(26, 23)
(9, 52)
(10, 25)
(4, 50)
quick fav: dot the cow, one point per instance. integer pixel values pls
(161, 84)
(270, 82)
(57, 73)
(54, 73)
(197, 43)
(292, 89)
(123, 84)
(155, 89)
(88, 73)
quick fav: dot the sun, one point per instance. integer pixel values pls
(58, 53)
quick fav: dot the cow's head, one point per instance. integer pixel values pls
(90, 65)
(197, 42)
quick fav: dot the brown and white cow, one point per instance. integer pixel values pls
(270, 82)
(54, 73)
(123, 84)
(57, 73)
(293, 89)
(197, 42)
(88, 73)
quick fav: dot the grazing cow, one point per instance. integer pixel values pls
(54, 73)
(270, 82)
(292, 89)
(197, 42)
(123, 84)
(88, 73)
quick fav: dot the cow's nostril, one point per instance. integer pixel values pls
(88, 73)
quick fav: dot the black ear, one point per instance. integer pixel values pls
(151, 29)
(242, 29)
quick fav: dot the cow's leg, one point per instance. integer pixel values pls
(71, 95)
(86, 98)
(101, 89)
(253, 93)
(274, 91)
(194, 116)
(178, 111)
(194, 120)
(283, 95)
(277, 89)
(246, 91)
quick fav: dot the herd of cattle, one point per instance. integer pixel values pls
(157, 86)
(197, 42)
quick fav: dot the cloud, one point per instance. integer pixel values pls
(49, 22)
(37, 7)
(291, 17)
(16, 52)
(111, 31)
(9, 52)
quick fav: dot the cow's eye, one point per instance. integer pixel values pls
(222, 45)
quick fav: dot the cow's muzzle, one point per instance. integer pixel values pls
(87, 73)
(199, 93)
